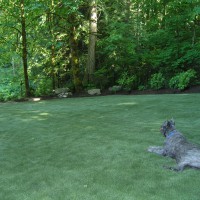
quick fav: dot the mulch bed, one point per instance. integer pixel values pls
(194, 89)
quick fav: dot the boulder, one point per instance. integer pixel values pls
(61, 90)
(115, 88)
(94, 92)
(64, 94)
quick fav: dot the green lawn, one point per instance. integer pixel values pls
(95, 148)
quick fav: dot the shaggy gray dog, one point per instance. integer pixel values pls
(177, 147)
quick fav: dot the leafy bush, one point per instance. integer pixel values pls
(157, 81)
(11, 91)
(183, 80)
(127, 81)
(10, 84)
(115, 88)
(101, 78)
(142, 87)
(43, 87)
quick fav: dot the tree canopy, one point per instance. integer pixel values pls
(139, 44)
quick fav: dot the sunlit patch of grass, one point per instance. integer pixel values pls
(94, 148)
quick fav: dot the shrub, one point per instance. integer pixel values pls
(142, 87)
(115, 88)
(182, 80)
(10, 91)
(101, 78)
(157, 81)
(43, 87)
(127, 81)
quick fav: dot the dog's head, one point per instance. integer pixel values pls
(167, 126)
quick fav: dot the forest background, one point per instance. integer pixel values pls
(82, 44)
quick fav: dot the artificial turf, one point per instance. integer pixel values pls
(95, 148)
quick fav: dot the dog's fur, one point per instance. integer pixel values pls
(177, 147)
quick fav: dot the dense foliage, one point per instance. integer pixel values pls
(45, 43)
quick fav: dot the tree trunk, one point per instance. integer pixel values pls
(53, 66)
(13, 66)
(51, 29)
(194, 35)
(92, 41)
(24, 49)
(74, 55)
(128, 11)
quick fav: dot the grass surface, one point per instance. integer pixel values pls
(95, 148)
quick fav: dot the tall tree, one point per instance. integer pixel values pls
(92, 40)
(50, 19)
(74, 58)
(14, 18)
(24, 47)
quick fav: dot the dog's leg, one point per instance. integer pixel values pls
(156, 149)
(175, 169)
(178, 168)
(181, 166)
